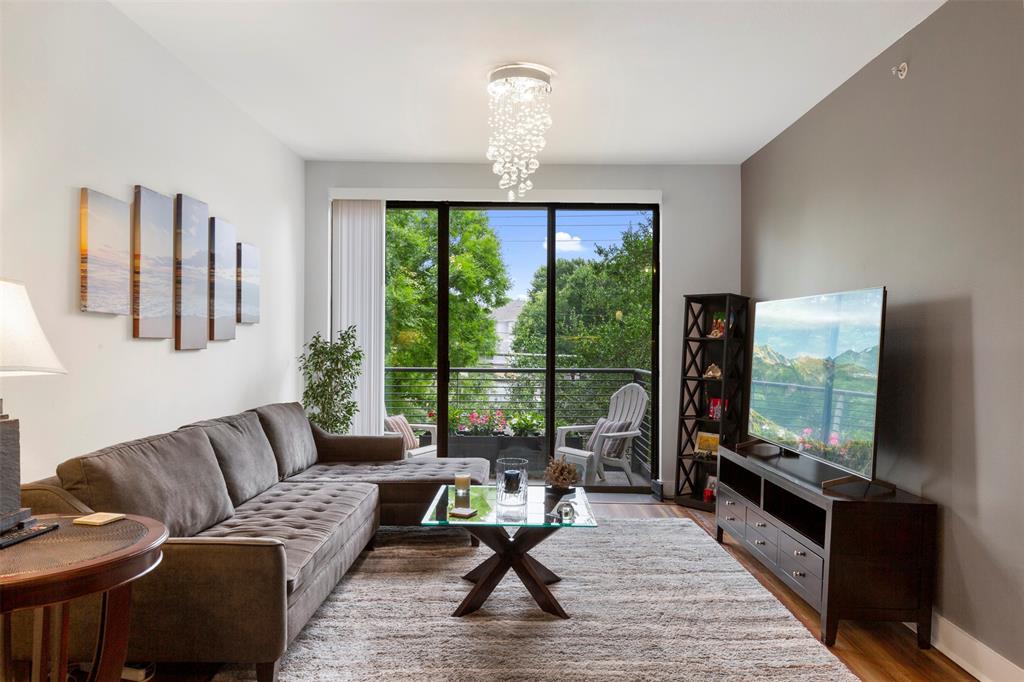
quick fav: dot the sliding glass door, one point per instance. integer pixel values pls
(604, 337)
(411, 317)
(496, 385)
(498, 364)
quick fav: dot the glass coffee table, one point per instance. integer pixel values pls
(533, 523)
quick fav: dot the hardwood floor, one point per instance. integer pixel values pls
(873, 651)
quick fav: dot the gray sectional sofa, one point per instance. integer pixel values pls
(266, 513)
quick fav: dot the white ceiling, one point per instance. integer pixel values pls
(637, 82)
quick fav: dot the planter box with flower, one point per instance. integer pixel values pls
(490, 434)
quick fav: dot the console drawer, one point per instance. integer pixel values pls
(732, 513)
(766, 550)
(801, 555)
(803, 582)
(759, 524)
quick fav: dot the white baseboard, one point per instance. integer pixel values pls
(971, 654)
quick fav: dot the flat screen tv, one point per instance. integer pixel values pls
(814, 376)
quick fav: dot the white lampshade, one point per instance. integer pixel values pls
(24, 349)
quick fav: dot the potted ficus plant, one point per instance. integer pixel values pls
(330, 370)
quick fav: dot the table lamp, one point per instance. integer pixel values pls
(24, 351)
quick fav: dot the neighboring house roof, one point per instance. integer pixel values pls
(508, 312)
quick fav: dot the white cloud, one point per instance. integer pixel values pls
(565, 242)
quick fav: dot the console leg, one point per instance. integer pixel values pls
(924, 630)
(718, 534)
(829, 628)
(474, 541)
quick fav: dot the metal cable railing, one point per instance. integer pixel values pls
(582, 395)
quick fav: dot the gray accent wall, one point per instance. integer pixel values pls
(917, 185)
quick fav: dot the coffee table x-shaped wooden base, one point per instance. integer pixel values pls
(511, 553)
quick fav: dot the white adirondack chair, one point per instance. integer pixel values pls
(627, 405)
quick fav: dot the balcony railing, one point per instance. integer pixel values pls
(582, 394)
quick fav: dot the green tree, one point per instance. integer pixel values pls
(478, 283)
(602, 307)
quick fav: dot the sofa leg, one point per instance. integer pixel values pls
(371, 544)
(474, 541)
(267, 672)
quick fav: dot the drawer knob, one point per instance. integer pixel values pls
(758, 542)
(729, 503)
(761, 525)
(799, 574)
(730, 518)
(798, 552)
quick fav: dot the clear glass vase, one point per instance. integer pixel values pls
(510, 476)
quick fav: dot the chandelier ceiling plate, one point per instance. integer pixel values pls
(519, 118)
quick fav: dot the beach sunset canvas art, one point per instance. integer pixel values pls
(153, 265)
(191, 269)
(248, 311)
(223, 275)
(105, 257)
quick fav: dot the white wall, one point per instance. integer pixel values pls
(90, 100)
(700, 236)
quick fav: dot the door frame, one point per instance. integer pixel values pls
(443, 209)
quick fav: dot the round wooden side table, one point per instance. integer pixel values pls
(48, 571)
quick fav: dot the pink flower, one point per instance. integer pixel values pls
(833, 439)
(808, 431)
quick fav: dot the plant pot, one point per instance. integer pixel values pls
(492, 447)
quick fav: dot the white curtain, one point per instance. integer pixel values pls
(357, 297)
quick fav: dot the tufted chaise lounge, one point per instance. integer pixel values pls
(266, 513)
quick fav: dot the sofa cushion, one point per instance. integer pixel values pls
(243, 453)
(287, 429)
(314, 520)
(172, 477)
(402, 481)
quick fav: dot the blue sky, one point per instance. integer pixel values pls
(523, 235)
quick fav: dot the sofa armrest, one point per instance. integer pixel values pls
(213, 599)
(334, 448)
(49, 498)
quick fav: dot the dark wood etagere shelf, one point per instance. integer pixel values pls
(730, 351)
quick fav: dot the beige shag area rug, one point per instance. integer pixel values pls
(650, 599)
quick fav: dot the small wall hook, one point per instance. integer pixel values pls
(901, 70)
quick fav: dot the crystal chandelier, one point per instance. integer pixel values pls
(519, 118)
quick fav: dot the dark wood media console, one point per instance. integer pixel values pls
(859, 551)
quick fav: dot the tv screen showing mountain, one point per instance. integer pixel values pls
(814, 376)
